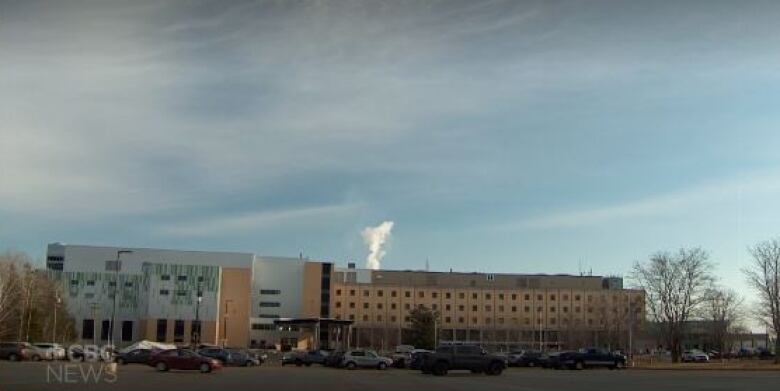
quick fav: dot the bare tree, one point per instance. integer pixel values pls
(764, 276)
(9, 280)
(675, 286)
(723, 311)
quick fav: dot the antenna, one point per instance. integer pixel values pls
(427, 265)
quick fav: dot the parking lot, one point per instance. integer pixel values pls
(40, 376)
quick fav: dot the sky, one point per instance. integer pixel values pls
(497, 136)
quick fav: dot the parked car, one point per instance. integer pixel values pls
(335, 359)
(365, 359)
(552, 360)
(402, 356)
(38, 354)
(16, 351)
(764, 354)
(468, 357)
(695, 356)
(592, 357)
(525, 358)
(230, 357)
(135, 356)
(183, 359)
(56, 350)
(300, 358)
(418, 357)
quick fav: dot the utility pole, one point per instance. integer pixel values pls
(57, 301)
(94, 307)
(196, 337)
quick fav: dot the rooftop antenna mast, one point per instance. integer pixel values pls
(427, 265)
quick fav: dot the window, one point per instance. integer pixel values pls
(270, 291)
(338, 292)
(500, 296)
(128, 284)
(527, 309)
(408, 294)
(162, 330)
(462, 295)
(164, 292)
(565, 310)
(338, 304)
(447, 307)
(474, 320)
(447, 295)
(351, 305)
(474, 308)
(112, 283)
(91, 283)
(435, 307)
(181, 293)
(447, 319)
(552, 309)
(365, 318)
(165, 277)
(379, 318)
(501, 308)
(74, 282)
(514, 308)
(178, 331)
(270, 304)
(181, 278)
(104, 330)
(461, 320)
(407, 306)
(393, 293)
(406, 319)
(527, 297)
(127, 330)
(352, 292)
(392, 318)
(577, 297)
(488, 308)
(365, 306)
(351, 316)
(577, 309)
(487, 320)
(539, 297)
(392, 306)
(552, 297)
(488, 296)
(268, 316)
(565, 297)
(379, 306)
(514, 296)
(88, 329)
(200, 278)
(539, 309)
(365, 293)
(421, 294)
(380, 293)
(474, 296)
(461, 308)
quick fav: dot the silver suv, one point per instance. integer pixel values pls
(365, 359)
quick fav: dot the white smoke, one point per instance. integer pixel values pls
(375, 238)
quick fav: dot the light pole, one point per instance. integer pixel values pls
(196, 337)
(227, 314)
(117, 266)
(57, 301)
(94, 307)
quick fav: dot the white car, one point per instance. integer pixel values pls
(54, 351)
(695, 356)
(365, 359)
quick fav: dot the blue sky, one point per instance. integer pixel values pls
(498, 136)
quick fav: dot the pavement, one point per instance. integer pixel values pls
(67, 376)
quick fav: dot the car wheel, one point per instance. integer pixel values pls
(495, 369)
(36, 357)
(205, 368)
(620, 365)
(13, 357)
(298, 363)
(531, 364)
(120, 361)
(161, 366)
(248, 363)
(351, 365)
(579, 365)
(381, 366)
(439, 369)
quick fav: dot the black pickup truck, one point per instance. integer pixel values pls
(460, 357)
(592, 357)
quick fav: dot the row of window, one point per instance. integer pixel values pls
(474, 308)
(475, 320)
(167, 277)
(128, 284)
(89, 332)
(462, 295)
(270, 291)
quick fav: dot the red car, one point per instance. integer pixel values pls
(183, 359)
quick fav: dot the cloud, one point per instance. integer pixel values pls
(656, 206)
(249, 223)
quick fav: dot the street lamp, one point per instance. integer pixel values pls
(57, 301)
(196, 337)
(117, 265)
(227, 314)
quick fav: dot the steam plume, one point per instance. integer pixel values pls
(375, 238)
